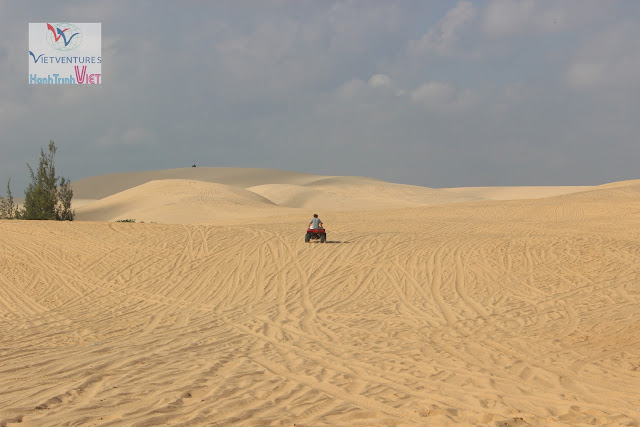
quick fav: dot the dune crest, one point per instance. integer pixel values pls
(373, 189)
(632, 183)
(187, 200)
(100, 186)
(174, 201)
(300, 196)
(516, 193)
(346, 193)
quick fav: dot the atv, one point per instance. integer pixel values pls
(315, 234)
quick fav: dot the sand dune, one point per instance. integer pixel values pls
(516, 193)
(288, 190)
(634, 183)
(174, 201)
(347, 193)
(613, 190)
(373, 189)
(98, 187)
(300, 196)
(500, 313)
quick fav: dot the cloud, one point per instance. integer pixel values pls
(442, 37)
(381, 92)
(384, 84)
(357, 89)
(380, 80)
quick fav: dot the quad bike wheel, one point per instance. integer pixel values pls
(319, 234)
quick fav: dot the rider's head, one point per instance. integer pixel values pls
(315, 215)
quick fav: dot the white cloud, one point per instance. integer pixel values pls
(380, 80)
(380, 89)
(441, 39)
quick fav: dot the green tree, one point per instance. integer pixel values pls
(43, 199)
(63, 208)
(7, 209)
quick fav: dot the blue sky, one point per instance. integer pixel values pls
(436, 93)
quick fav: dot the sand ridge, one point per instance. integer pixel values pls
(175, 201)
(147, 196)
(100, 186)
(486, 312)
(517, 193)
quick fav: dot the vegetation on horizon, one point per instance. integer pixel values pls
(7, 208)
(47, 196)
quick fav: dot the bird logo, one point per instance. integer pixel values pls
(57, 36)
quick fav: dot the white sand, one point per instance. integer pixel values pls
(441, 311)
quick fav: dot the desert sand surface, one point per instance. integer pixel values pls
(423, 308)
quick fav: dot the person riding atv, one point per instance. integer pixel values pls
(315, 222)
(315, 230)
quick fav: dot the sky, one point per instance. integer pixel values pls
(431, 93)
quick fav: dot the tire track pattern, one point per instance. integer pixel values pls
(216, 325)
